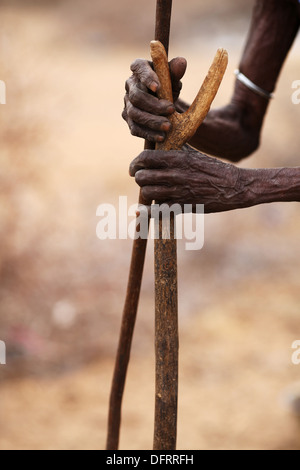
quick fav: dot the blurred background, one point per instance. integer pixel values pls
(64, 151)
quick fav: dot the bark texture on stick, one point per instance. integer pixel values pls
(163, 22)
(166, 338)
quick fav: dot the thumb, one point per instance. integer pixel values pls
(177, 68)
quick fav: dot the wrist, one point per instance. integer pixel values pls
(252, 107)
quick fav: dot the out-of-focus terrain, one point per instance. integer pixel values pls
(64, 150)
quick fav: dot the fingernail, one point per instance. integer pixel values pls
(166, 126)
(170, 110)
(154, 87)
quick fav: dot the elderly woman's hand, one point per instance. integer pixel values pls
(145, 114)
(189, 177)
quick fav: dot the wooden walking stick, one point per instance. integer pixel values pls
(184, 127)
(162, 33)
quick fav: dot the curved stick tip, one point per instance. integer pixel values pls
(222, 53)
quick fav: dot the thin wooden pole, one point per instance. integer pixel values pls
(125, 341)
(166, 337)
(163, 22)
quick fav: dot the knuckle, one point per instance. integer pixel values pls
(133, 96)
(142, 158)
(127, 85)
(139, 177)
(146, 190)
(136, 131)
(131, 111)
(142, 72)
(129, 114)
(130, 83)
(133, 65)
(136, 64)
(133, 130)
(161, 106)
(143, 155)
(150, 137)
(132, 167)
(151, 122)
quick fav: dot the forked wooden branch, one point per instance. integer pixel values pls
(184, 127)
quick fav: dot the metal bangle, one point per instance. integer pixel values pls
(256, 89)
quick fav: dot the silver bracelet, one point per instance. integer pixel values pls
(256, 89)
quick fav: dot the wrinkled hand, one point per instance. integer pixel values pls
(145, 114)
(188, 177)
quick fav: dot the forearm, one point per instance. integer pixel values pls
(268, 185)
(188, 177)
(273, 29)
(238, 126)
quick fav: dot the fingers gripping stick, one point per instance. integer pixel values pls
(185, 125)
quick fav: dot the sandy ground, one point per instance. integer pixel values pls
(62, 290)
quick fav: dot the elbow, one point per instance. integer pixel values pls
(247, 147)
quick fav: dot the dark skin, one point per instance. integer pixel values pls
(190, 177)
